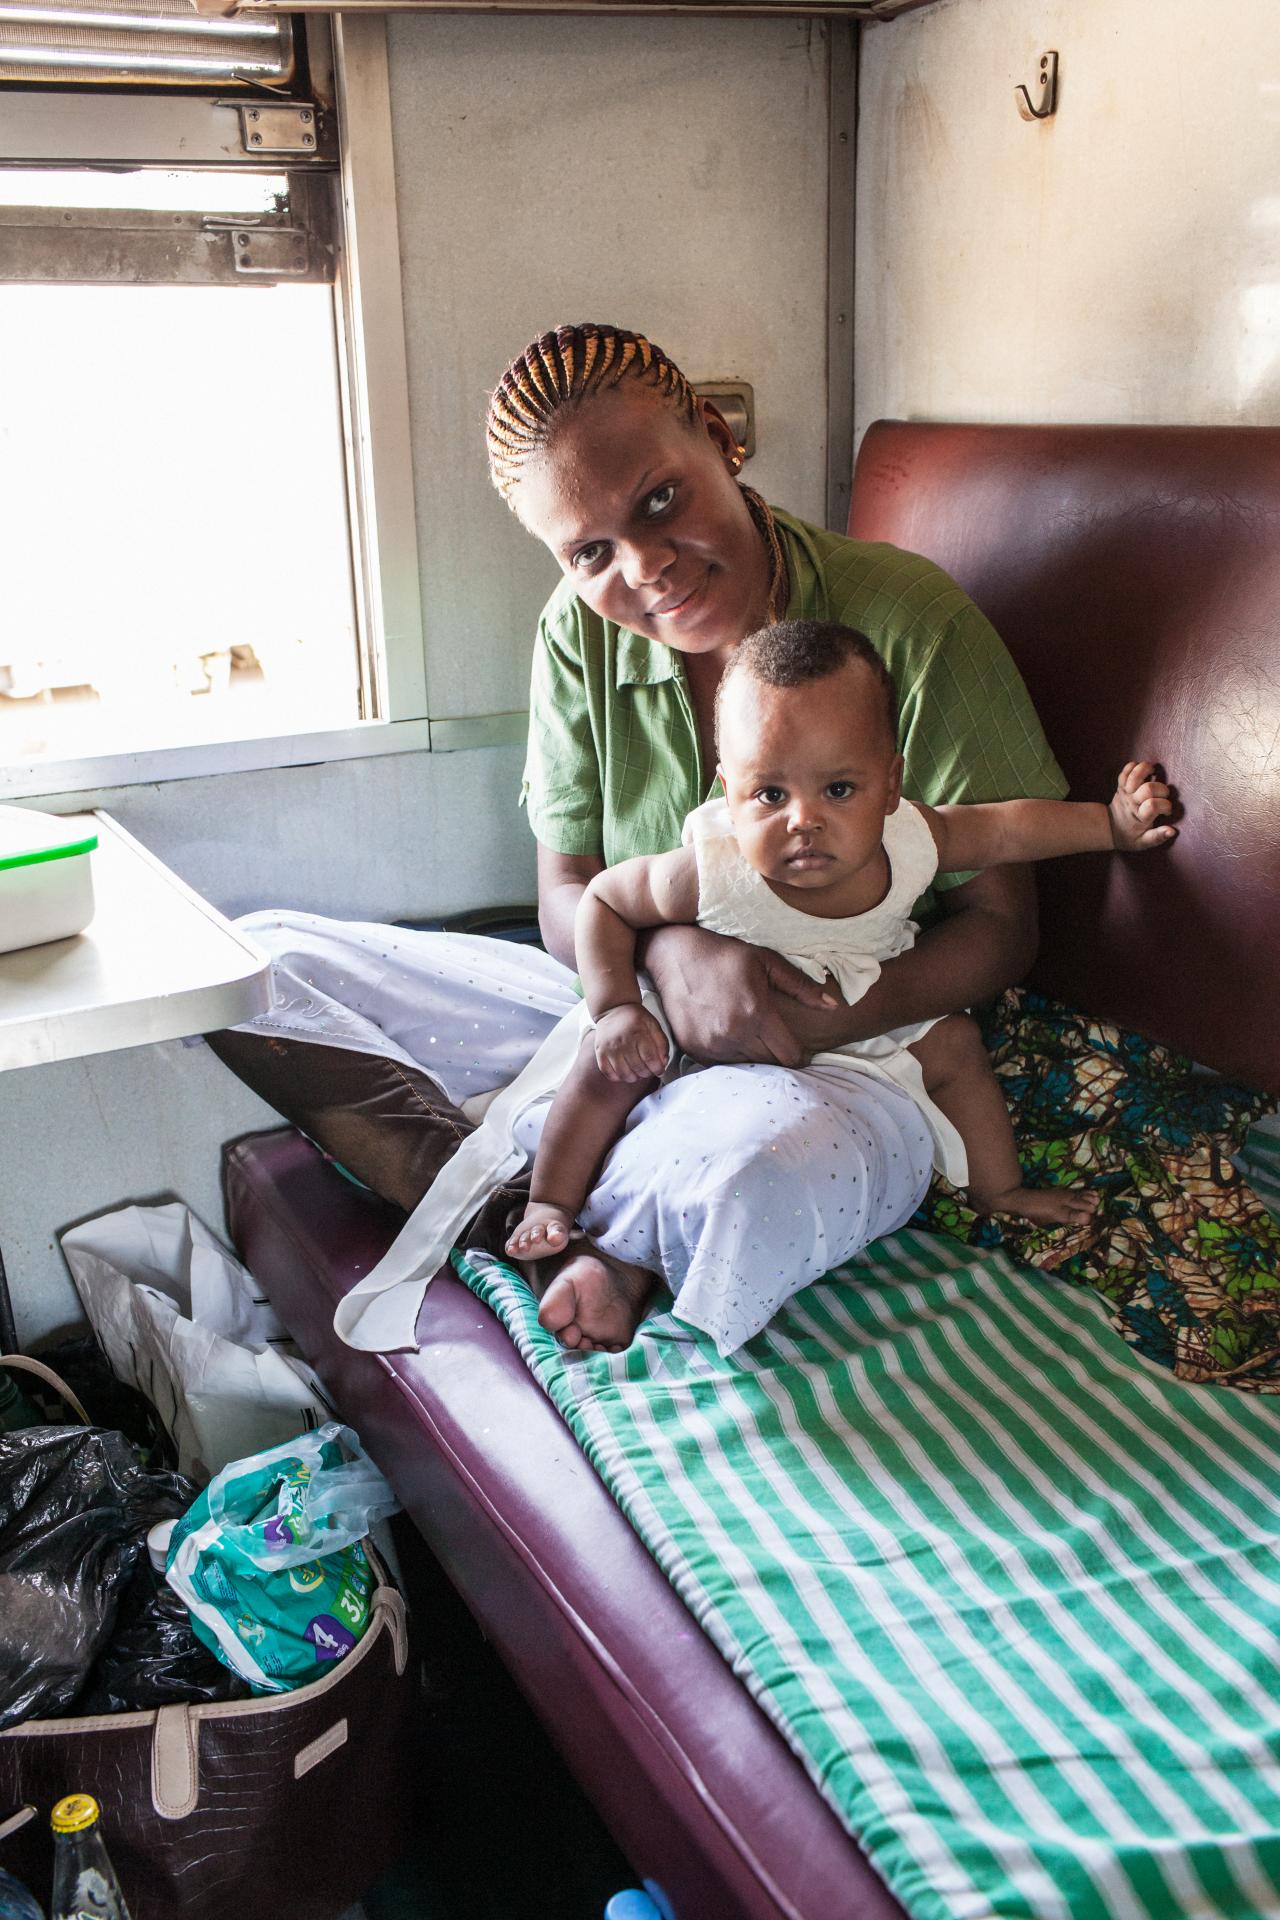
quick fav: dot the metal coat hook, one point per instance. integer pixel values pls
(1048, 91)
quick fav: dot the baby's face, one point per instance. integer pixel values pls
(810, 773)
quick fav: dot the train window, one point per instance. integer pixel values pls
(188, 466)
(155, 593)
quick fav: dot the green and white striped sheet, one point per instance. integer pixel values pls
(1010, 1592)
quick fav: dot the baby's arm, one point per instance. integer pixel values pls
(1004, 832)
(651, 891)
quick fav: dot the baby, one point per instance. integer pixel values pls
(814, 853)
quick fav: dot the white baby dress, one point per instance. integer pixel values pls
(734, 899)
(380, 1312)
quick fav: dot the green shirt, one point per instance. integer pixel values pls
(614, 762)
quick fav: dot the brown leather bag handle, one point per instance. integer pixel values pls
(22, 1363)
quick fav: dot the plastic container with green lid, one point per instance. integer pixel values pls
(46, 886)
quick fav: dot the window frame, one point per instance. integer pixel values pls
(373, 376)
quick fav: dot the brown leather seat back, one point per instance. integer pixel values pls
(1134, 573)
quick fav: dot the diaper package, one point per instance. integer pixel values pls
(269, 1560)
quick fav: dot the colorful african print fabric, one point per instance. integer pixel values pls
(1182, 1249)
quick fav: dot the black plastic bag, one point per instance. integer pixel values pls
(75, 1506)
(80, 1361)
(153, 1658)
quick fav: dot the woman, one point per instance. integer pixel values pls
(381, 1040)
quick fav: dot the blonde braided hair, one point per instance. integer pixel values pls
(568, 366)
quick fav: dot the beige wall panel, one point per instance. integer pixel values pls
(666, 174)
(1120, 262)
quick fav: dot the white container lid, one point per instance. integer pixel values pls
(28, 837)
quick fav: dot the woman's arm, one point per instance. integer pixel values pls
(988, 938)
(986, 942)
(718, 994)
(562, 881)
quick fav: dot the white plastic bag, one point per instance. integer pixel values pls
(182, 1321)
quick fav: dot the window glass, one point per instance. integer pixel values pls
(159, 188)
(173, 519)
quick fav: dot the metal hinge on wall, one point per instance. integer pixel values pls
(278, 129)
(271, 253)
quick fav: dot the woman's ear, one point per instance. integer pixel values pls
(721, 434)
(895, 784)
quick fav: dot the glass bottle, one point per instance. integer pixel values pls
(15, 1902)
(84, 1881)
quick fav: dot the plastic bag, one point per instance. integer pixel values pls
(180, 1319)
(269, 1561)
(153, 1658)
(75, 1506)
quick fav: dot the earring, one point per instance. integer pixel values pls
(736, 458)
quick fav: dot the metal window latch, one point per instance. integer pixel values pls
(1048, 89)
(265, 129)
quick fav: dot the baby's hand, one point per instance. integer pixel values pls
(630, 1045)
(1140, 808)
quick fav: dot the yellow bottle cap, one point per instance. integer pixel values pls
(75, 1813)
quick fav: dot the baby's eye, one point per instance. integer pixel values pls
(841, 789)
(770, 796)
(659, 500)
(589, 556)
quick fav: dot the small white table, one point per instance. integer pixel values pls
(156, 962)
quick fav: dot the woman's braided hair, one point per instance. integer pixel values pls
(562, 369)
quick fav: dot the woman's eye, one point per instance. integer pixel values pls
(659, 500)
(589, 556)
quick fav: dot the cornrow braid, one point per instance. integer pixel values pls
(561, 369)
(767, 527)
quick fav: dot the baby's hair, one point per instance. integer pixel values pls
(794, 652)
(561, 369)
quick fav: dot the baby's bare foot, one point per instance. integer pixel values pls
(1045, 1206)
(594, 1303)
(544, 1229)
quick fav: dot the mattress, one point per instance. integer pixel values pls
(1008, 1590)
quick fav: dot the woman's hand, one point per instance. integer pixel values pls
(725, 1001)
(985, 941)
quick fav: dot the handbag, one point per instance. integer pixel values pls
(284, 1807)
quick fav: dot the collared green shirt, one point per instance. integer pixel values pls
(614, 762)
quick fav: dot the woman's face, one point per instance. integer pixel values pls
(642, 512)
